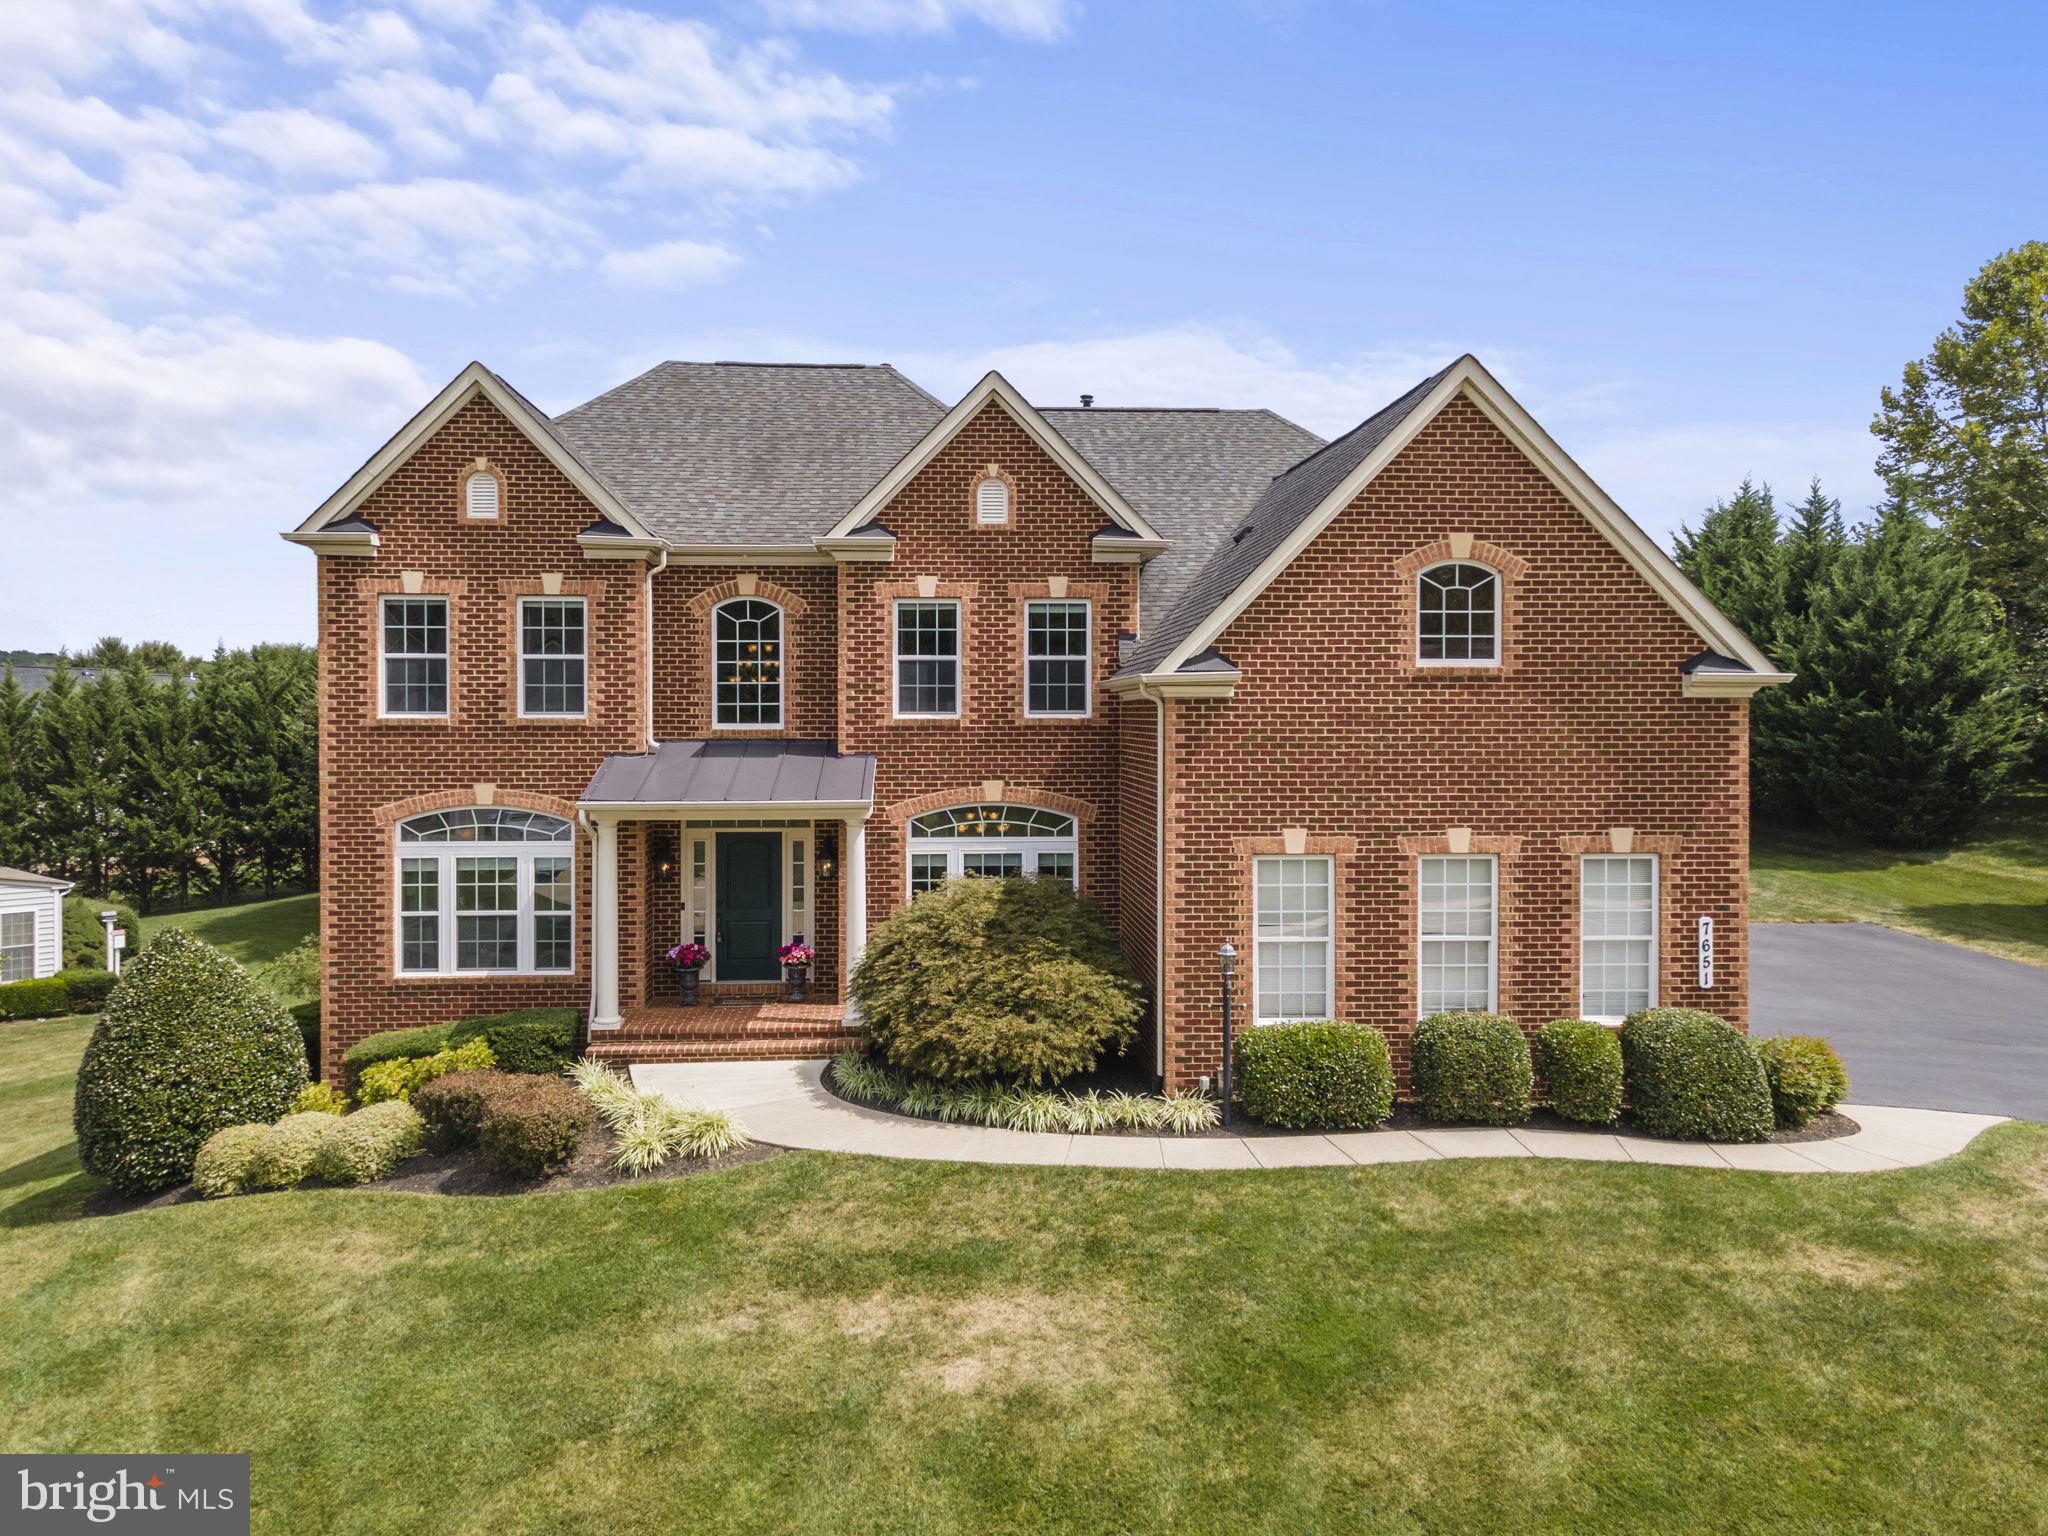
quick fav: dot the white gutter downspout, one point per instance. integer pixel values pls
(659, 566)
(1158, 870)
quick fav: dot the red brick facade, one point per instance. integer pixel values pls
(1335, 742)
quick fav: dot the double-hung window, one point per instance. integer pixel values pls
(928, 658)
(1056, 658)
(485, 890)
(1292, 947)
(1617, 935)
(17, 946)
(553, 656)
(415, 651)
(1457, 923)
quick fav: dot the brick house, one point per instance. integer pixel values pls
(1414, 719)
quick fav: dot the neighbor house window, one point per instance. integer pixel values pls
(480, 495)
(995, 841)
(1617, 935)
(553, 656)
(927, 658)
(992, 501)
(17, 946)
(485, 890)
(747, 663)
(415, 655)
(1457, 610)
(1292, 956)
(1457, 928)
(1056, 658)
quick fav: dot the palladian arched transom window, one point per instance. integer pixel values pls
(486, 890)
(1457, 615)
(746, 664)
(989, 840)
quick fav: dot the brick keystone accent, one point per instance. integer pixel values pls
(750, 585)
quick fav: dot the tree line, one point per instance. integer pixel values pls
(149, 782)
(1920, 638)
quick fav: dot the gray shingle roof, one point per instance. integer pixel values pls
(1280, 508)
(1188, 473)
(748, 453)
(713, 772)
(12, 876)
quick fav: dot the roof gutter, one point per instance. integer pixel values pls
(629, 810)
(1177, 685)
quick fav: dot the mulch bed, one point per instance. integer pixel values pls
(1406, 1117)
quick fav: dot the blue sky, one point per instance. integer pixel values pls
(242, 240)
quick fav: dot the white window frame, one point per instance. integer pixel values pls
(981, 487)
(519, 621)
(385, 656)
(1492, 939)
(897, 658)
(445, 854)
(781, 674)
(1655, 934)
(1260, 941)
(1086, 658)
(1459, 661)
(1031, 851)
(469, 495)
(34, 941)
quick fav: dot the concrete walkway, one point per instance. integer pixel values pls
(786, 1103)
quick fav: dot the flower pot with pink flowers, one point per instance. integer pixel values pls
(688, 958)
(796, 957)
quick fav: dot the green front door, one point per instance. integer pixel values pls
(749, 905)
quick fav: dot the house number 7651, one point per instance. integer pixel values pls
(1706, 952)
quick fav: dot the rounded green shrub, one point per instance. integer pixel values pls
(532, 1130)
(1014, 979)
(369, 1144)
(452, 1107)
(1471, 1067)
(1805, 1075)
(1319, 1075)
(528, 1040)
(285, 1155)
(1692, 1074)
(189, 1044)
(221, 1166)
(1581, 1064)
(319, 1099)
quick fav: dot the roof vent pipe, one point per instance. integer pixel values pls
(1086, 401)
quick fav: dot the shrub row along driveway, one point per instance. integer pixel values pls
(1918, 1023)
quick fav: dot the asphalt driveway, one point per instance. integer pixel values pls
(1918, 1023)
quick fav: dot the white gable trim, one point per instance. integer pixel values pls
(474, 380)
(997, 388)
(1469, 378)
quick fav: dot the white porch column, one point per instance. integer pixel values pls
(856, 860)
(604, 928)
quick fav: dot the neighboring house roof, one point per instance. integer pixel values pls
(1189, 471)
(11, 876)
(734, 773)
(749, 453)
(34, 679)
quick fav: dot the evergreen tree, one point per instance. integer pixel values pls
(254, 719)
(1733, 559)
(17, 773)
(79, 738)
(1906, 721)
(163, 822)
(1813, 542)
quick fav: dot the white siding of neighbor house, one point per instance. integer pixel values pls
(47, 902)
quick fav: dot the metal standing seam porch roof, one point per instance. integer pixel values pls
(713, 774)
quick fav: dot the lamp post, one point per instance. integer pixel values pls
(1226, 960)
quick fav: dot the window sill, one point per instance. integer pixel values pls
(413, 720)
(427, 976)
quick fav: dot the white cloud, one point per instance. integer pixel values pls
(1039, 20)
(437, 235)
(672, 265)
(297, 143)
(728, 163)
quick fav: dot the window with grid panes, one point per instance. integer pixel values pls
(1292, 938)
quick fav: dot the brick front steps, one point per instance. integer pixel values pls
(727, 1031)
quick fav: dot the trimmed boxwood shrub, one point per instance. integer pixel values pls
(42, 998)
(1017, 980)
(368, 1144)
(1692, 1074)
(538, 1040)
(1805, 1076)
(392, 1045)
(532, 1130)
(1581, 1064)
(222, 1164)
(1319, 1075)
(87, 990)
(85, 937)
(189, 1043)
(452, 1107)
(285, 1155)
(1471, 1067)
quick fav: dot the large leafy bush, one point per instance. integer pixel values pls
(539, 1040)
(189, 1044)
(1471, 1067)
(1320, 1075)
(1692, 1074)
(1581, 1064)
(530, 1131)
(1805, 1075)
(1013, 979)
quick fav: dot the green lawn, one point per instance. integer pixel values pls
(825, 1344)
(255, 932)
(1990, 892)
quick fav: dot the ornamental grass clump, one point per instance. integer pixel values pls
(1805, 1075)
(1318, 1075)
(1016, 981)
(369, 1144)
(1472, 1068)
(1014, 1107)
(1690, 1074)
(651, 1129)
(1581, 1064)
(189, 1044)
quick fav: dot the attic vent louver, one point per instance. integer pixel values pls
(482, 495)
